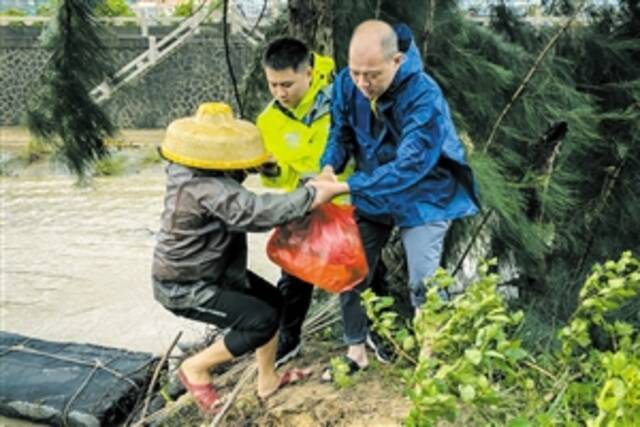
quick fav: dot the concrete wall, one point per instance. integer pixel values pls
(194, 73)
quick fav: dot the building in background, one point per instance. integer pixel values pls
(251, 9)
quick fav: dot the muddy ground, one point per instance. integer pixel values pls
(374, 399)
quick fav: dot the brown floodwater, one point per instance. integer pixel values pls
(75, 262)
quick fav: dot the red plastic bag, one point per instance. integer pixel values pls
(323, 248)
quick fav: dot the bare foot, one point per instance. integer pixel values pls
(267, 384)
(358, 353)
(193, 374)
(290, 376)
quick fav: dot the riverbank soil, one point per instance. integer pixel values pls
(374, 399)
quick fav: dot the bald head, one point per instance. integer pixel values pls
(374, 36)
(374, 58)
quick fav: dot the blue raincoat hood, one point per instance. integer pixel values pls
(412, 61)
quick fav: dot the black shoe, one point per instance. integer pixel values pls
(383, 350)
(288, 349)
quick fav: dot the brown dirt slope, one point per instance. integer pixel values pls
(374, 399)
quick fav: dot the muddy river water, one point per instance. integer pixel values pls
(75, 262)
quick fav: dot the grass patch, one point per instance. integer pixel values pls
(37, 149)
(111, 165)
(150, 156)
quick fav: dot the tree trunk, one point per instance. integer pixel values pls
(312, 22)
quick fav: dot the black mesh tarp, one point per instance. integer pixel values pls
(68, 383)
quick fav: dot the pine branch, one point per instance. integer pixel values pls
(547, 177)
(498, 122)
(530, 74)
(154, 379)
(62, 107)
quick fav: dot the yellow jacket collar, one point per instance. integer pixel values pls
(323, 69)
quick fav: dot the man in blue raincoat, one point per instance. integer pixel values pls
(391, 117)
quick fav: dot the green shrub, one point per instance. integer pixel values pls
(340, 373)
(184, 8)
(467, 364)
(47, 9)
(112, 8)
(111, 165)
(606, 386)
(13, 12)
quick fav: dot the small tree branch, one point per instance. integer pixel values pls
(550, 167)
(248, 374)
(262, 12)
(399, 349)
(154, 379)
(474, 236)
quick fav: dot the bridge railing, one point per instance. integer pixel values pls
(121, 21)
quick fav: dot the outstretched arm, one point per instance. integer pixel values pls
(419, 148)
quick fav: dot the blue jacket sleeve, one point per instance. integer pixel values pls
(340, 142)
(421, 129)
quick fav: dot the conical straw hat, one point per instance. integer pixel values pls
(213, 139)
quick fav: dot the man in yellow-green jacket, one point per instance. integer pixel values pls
(294, 128)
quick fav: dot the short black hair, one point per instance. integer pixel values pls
(287, 52)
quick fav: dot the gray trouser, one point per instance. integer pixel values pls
(423, 245)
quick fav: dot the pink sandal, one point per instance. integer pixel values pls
(288, 377)
(204, 394)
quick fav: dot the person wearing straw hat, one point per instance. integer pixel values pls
(199, 268)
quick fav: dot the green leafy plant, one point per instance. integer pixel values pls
(112, 8)
(606, 389)
(14, 12)
(110, 166)
(466, 363)
(48, 9)
(184, 8)
(150, 156)
(340, 373)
